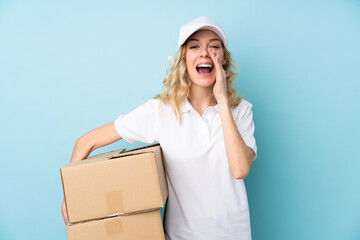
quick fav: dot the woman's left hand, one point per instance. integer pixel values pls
(219, 90)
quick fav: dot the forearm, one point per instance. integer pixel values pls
(94, 139)
(238, 153)
(82, 149)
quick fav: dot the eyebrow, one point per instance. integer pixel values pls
(211, 40)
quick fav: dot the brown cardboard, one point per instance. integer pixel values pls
(140, 226)
(114, 183)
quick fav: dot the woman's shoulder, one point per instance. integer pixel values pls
(157, 104)
(244, 104)
(242, 107)
(153, 101)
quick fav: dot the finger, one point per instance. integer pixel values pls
(64, 213)
(66, 219)
(214, 58)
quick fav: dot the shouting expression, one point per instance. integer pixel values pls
(200, 67)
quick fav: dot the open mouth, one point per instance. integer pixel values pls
(204, 68)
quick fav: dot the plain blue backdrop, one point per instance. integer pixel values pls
(67, 67)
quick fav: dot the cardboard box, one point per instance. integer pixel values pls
(141, 226)
(114, 183)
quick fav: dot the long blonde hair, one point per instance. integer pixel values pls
(176, 84)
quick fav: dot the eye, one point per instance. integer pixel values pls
(193, 46)
(216, 47)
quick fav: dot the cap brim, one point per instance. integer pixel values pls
(212, 28)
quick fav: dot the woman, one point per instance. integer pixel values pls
(207, 137)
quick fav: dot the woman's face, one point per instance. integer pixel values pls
(200, 66)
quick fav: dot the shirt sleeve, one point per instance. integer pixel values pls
(140, 124)
(245, 125)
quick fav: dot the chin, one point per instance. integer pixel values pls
(204, 82)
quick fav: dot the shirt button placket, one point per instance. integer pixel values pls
(206, 128)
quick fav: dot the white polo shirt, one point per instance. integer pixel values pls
(205, 201)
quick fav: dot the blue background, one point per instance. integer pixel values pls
(67, 67)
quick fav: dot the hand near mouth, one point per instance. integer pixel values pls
(219, 89)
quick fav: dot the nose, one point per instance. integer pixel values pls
(204, 52)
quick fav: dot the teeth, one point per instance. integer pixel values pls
(204, 65)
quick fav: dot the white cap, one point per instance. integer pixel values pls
(198, 24)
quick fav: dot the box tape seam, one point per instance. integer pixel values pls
(114, 202)
(114, 226)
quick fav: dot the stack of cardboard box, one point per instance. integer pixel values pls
(116, 195)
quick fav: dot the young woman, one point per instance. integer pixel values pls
(207, 137)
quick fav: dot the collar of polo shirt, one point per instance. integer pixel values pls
(186, 107)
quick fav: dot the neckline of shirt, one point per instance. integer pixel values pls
(186, 107)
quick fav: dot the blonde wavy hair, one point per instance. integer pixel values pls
(177, 83)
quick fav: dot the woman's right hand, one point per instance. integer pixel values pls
(64, 213)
